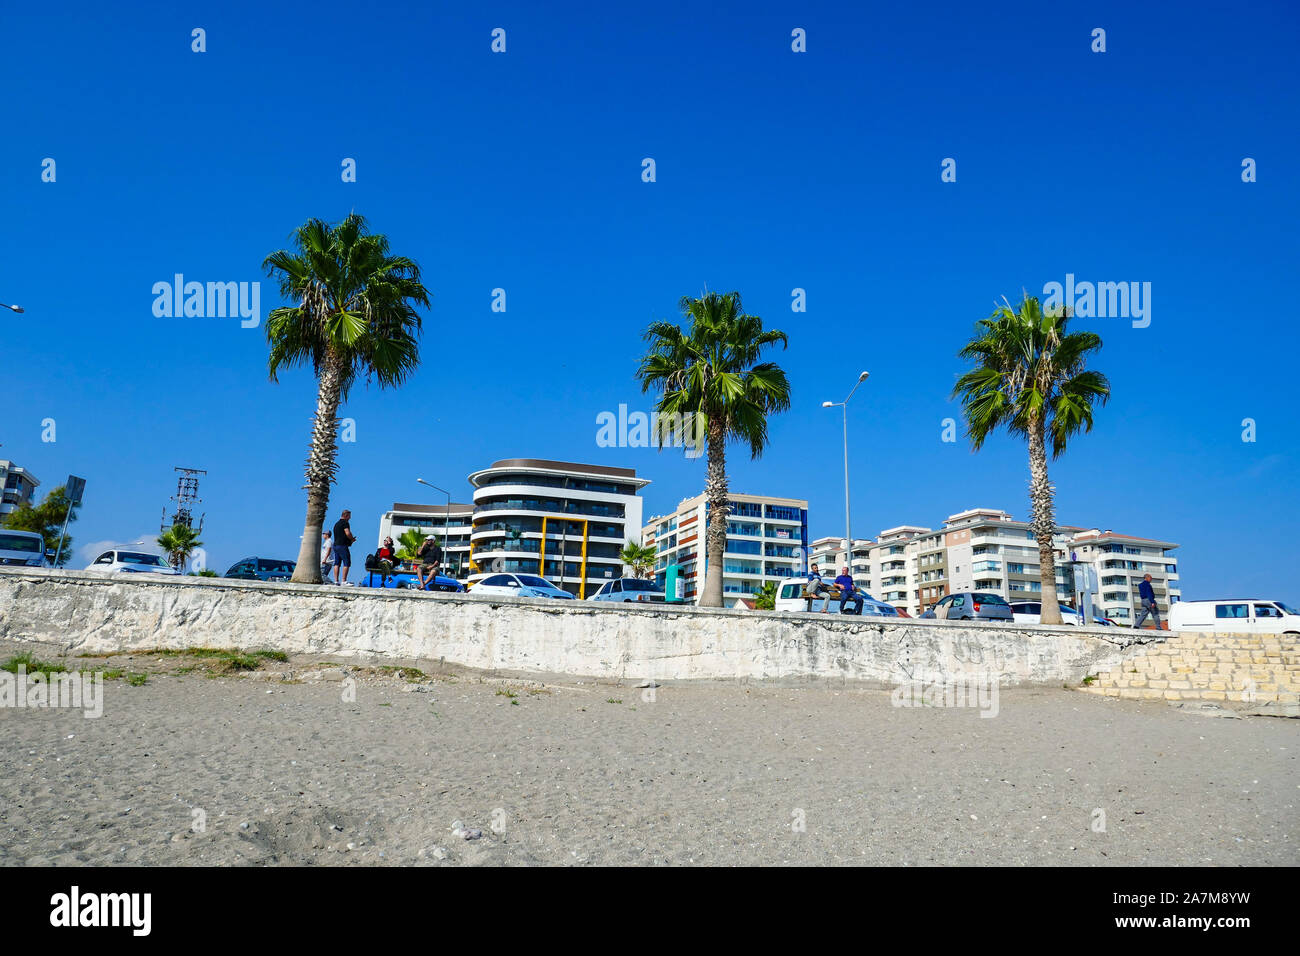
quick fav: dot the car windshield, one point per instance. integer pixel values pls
(632, 584)
(135, 557)
(20, 542)
(1286, 608)
(532, 581)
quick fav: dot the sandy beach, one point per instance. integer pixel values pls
(204, 765)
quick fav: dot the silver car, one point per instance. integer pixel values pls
(973, 606)
(629, 590)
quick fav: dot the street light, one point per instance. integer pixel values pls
(844, 405)
(446, 521)
(15, 308)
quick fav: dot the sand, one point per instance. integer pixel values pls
(281, 769)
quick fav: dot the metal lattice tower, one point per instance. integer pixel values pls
(187, 495)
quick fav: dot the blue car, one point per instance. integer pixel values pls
(262, 569)
(408, 580)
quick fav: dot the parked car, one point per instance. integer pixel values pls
(518, 585)
(1235, 616)
(973, 606)
(409, 581)
(790, 598)
(902, 612)
(131, 562)
(629, 591)
(1031, 612)
(25, 548)
(262, 569)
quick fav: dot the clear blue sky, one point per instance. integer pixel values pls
(776, 170)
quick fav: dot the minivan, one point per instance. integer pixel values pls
(25, 548)
(790, 598)
(973, 606)
(1235, 616)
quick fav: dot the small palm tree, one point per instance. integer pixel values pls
(1029, 377)
(712, 384)
(765, 599)
(353, 315)
(179, 542)
(640, 559)
(410, 541)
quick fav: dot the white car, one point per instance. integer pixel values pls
(22, 548)
(518, 585)
(1235, 616)
(131, 562)
(1031, 612)
(629, 590)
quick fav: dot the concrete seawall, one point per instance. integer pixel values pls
(82, 612)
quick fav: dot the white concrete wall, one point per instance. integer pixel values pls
(83, 612)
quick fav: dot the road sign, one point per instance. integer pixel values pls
(75, 488)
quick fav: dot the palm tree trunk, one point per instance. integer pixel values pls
(321, 467)
(715, 492)
(1043, 521)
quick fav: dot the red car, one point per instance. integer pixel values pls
(901, 612)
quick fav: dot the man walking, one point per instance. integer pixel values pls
(848, 592)
(343, 538)
(1147, 595)
(429, 557)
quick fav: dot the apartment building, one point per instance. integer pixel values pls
(1119, 562)
(767, 540)
(451, 524)
(828, 554)
(986, 549)
(17, 485)
(565, 521)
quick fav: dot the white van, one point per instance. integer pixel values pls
(1236, 615)
(25, 548)
(790, 598)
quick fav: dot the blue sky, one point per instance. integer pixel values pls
(775, 170)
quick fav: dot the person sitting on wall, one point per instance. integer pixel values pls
(428, 559)
(816, 587)
(387, 558)
(848, 592)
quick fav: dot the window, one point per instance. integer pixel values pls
(616, 587)
(1232, 611)
(105, 558)
(1267, 610)
(498, 581)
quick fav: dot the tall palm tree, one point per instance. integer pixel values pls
(179, 541)
(641, 559)
(353, 315)
(713, 385)
(1030, 378)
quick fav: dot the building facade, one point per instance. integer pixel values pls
(986, 549)
(767, 540)
(17, 485)
(564, 521)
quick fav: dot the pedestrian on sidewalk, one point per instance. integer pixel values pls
(1147, 595)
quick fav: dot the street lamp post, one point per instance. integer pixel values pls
(844, 407)
(446, 521)
(12, 308)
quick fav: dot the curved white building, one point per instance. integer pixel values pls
(564, 521)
